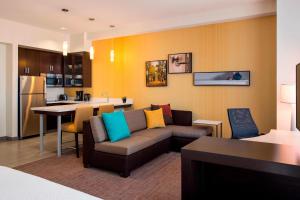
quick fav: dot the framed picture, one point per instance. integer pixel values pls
(156, 73)
(226, 78)
(180, 63)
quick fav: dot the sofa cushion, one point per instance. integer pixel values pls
(190, 131)
(155, 118)
(116, 126)
(126, 146)
(182, 118)
(157, 134)
(98, 129)
(136, 120)
(166, 112)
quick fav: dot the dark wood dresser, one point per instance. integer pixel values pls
(214, 167)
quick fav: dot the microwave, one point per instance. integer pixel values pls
(59, 80)
(53, 80)
(50, 79)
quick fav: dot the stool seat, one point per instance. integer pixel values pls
(68, 127)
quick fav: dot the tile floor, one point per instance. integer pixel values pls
(19, 152)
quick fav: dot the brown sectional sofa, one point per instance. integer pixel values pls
(143, 144)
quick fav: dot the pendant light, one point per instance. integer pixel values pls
(112, 55)
(65, 45)
(112, 50)
(65, 48)
(92, 53)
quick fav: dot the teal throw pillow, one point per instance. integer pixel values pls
(116, 126)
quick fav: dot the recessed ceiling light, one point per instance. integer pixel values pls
(65, 10)
(92, 19)
(63, 28)
(112, 26)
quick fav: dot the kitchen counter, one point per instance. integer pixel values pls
(61, 110)
(95, 102)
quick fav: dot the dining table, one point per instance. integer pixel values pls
(68, 109)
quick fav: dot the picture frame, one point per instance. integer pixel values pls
(156, 73)
(222, 78)
(180, 63)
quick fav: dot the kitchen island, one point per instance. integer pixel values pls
(69, 108)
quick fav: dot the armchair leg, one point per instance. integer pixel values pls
(77, 145)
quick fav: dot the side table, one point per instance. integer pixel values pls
(217, 124)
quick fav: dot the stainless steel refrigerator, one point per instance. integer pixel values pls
(31, 94)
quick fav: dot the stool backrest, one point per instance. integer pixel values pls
(106, 108)
(82, 113)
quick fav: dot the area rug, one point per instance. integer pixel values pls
(157, 179)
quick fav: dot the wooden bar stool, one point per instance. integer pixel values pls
(106, 108)
(82, 113)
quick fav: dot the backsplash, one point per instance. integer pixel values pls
(53, 93)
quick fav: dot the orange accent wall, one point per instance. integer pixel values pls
(240, 45)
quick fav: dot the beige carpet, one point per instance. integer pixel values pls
(158, 179)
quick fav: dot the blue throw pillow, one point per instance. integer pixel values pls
(116, 126)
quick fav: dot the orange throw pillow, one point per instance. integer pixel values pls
(155, 118)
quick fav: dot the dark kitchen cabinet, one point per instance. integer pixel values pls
(50, 62)
(76, 67)
(28, 62)
(80, 67)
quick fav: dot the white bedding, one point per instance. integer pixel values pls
(17, 185)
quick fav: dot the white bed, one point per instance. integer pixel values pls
(291, 138)
(17, 185)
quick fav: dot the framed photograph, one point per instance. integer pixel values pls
(180, 63)
(226, 78)
(156, 73)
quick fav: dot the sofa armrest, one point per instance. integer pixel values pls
(88, 142)
(182, 118)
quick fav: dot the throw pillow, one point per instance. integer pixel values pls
(116, 126)
(155, 118)
(168, 118)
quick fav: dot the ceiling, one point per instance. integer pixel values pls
(122, 13)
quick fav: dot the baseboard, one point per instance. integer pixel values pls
(6, 138)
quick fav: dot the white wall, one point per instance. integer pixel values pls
(15, 34)
(53, 93)
(2, 90)
(80, 42)
(288, 53)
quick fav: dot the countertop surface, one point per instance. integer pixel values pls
(74, 104)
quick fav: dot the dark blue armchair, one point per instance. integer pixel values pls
(242, 124)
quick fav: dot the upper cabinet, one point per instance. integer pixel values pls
(32, 62)
(51, 62)
(29, 62)
(79, 66)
